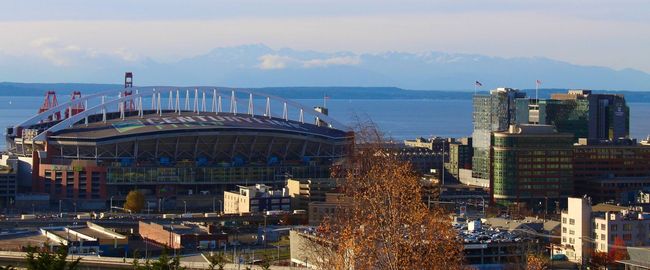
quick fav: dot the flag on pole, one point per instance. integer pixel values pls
(538, 82)
(477, 83)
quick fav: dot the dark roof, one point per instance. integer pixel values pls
(170, 122)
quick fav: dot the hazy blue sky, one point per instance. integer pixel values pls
(589, 32)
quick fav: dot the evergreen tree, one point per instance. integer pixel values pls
(46, 260)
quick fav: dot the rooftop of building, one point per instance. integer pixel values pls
(638, 257)
(604, 207)
(16, 241)
(623, 142)
(183, 228)
(528, 223)
(624, 215)
(531, 130)
(260, 190)
(5, 169)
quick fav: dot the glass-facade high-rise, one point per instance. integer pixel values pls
(533, 164)
(597, 117)
(493, 112)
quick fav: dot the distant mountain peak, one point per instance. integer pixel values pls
(258, 65)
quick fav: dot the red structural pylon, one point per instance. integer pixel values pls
(49, 103)
(129, 105)
(77, 108)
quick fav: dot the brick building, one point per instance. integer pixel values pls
(182, 236)
(605, 170)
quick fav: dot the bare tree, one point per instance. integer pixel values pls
(386, 225)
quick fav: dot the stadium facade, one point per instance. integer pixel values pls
(185, 146)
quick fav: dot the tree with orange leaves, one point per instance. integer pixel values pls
(618, 251)
(386, 225)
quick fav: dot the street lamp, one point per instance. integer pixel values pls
(111, 209)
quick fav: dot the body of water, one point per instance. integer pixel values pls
(398, 118)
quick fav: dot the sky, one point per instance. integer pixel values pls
(613, 34)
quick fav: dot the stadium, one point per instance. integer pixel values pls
(181, 146)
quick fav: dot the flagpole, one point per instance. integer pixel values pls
(537, 93)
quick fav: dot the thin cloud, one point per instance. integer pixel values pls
(275, 61)
(334, 61)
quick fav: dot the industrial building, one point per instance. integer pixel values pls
(191, 143)
(189, 236)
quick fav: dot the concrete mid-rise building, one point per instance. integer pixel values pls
(255, 199)
(586, 229)
(334, 202)
(305, 191)
(8, 186)
(436, 144)
(531, 164)
(460, 156)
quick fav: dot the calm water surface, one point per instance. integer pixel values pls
(400, 119)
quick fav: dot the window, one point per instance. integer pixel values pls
(571, 240)
(563, 220)
(613, 227)
(602, 237)
(572, 221)
(572, 232)
(602, 227)
(627, 237)
(627, 227)
(563, 229)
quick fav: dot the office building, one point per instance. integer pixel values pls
(597, 117)
(255, 199)
(531, 164)
(493, 112)
(605, 170)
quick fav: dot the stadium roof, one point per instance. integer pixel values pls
(174, 123)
